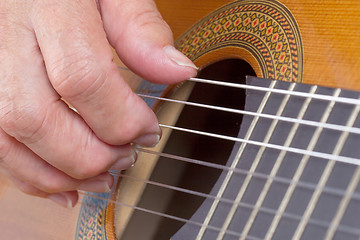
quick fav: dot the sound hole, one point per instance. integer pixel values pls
(185, 175)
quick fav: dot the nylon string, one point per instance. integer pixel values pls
(335, 156)
(328, 98)
(335, 127)
(322, 155)
(281, 180)
(325, 125)
(320, 223)
(291, 216)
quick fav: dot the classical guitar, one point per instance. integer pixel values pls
(263, 144)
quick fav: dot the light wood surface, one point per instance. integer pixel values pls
(26, 217)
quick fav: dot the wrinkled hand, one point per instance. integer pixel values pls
(60, 49)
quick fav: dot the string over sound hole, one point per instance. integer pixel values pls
(189, 176)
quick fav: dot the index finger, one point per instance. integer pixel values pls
(80, 66)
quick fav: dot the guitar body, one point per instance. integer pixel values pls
(328, 32)
(308, 42)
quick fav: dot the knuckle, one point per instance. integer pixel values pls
(91, 168)
(77, 77)
(129, 124)
(93, 158)
(23, 121)
(4, 147)
(147, 14)
(120, 135)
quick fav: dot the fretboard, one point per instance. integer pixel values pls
(293, 175)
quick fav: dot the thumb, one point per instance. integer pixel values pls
(144, 41)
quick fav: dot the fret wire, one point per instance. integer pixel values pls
(343, 204)
(325, 176)
(320, 223)
(345, 100)
(254, 165)
(316, 222)
(305, 185)
(179, 219)
(235, 162)
(300, 169)
(331, 126)
(337, 158)
(278, 162)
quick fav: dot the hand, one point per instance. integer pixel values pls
(51, 50)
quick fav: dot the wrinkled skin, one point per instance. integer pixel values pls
(51, 49)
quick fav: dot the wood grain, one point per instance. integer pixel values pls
(329, 30)
(26, 217)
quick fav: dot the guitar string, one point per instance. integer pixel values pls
(264, 89)
(306, 185)
(335, 127)
(318, 97)
(268, 210)
(324, 189)
(321, 155)
(172, 217)
(354, 120)
(341, 228)
(292, 216)
(345, 100)
(204, 163)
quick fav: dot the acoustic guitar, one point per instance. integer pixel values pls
(263, 144)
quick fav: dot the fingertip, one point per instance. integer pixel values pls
(65, 199)
(125, 162)
(178, 57)
(102, 184)
(61, 200)
(161, 64)
(148, 140)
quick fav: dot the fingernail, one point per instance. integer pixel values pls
(124, 163)
(95, 186)
(179, 58)
(61, 200)
(149, 140)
